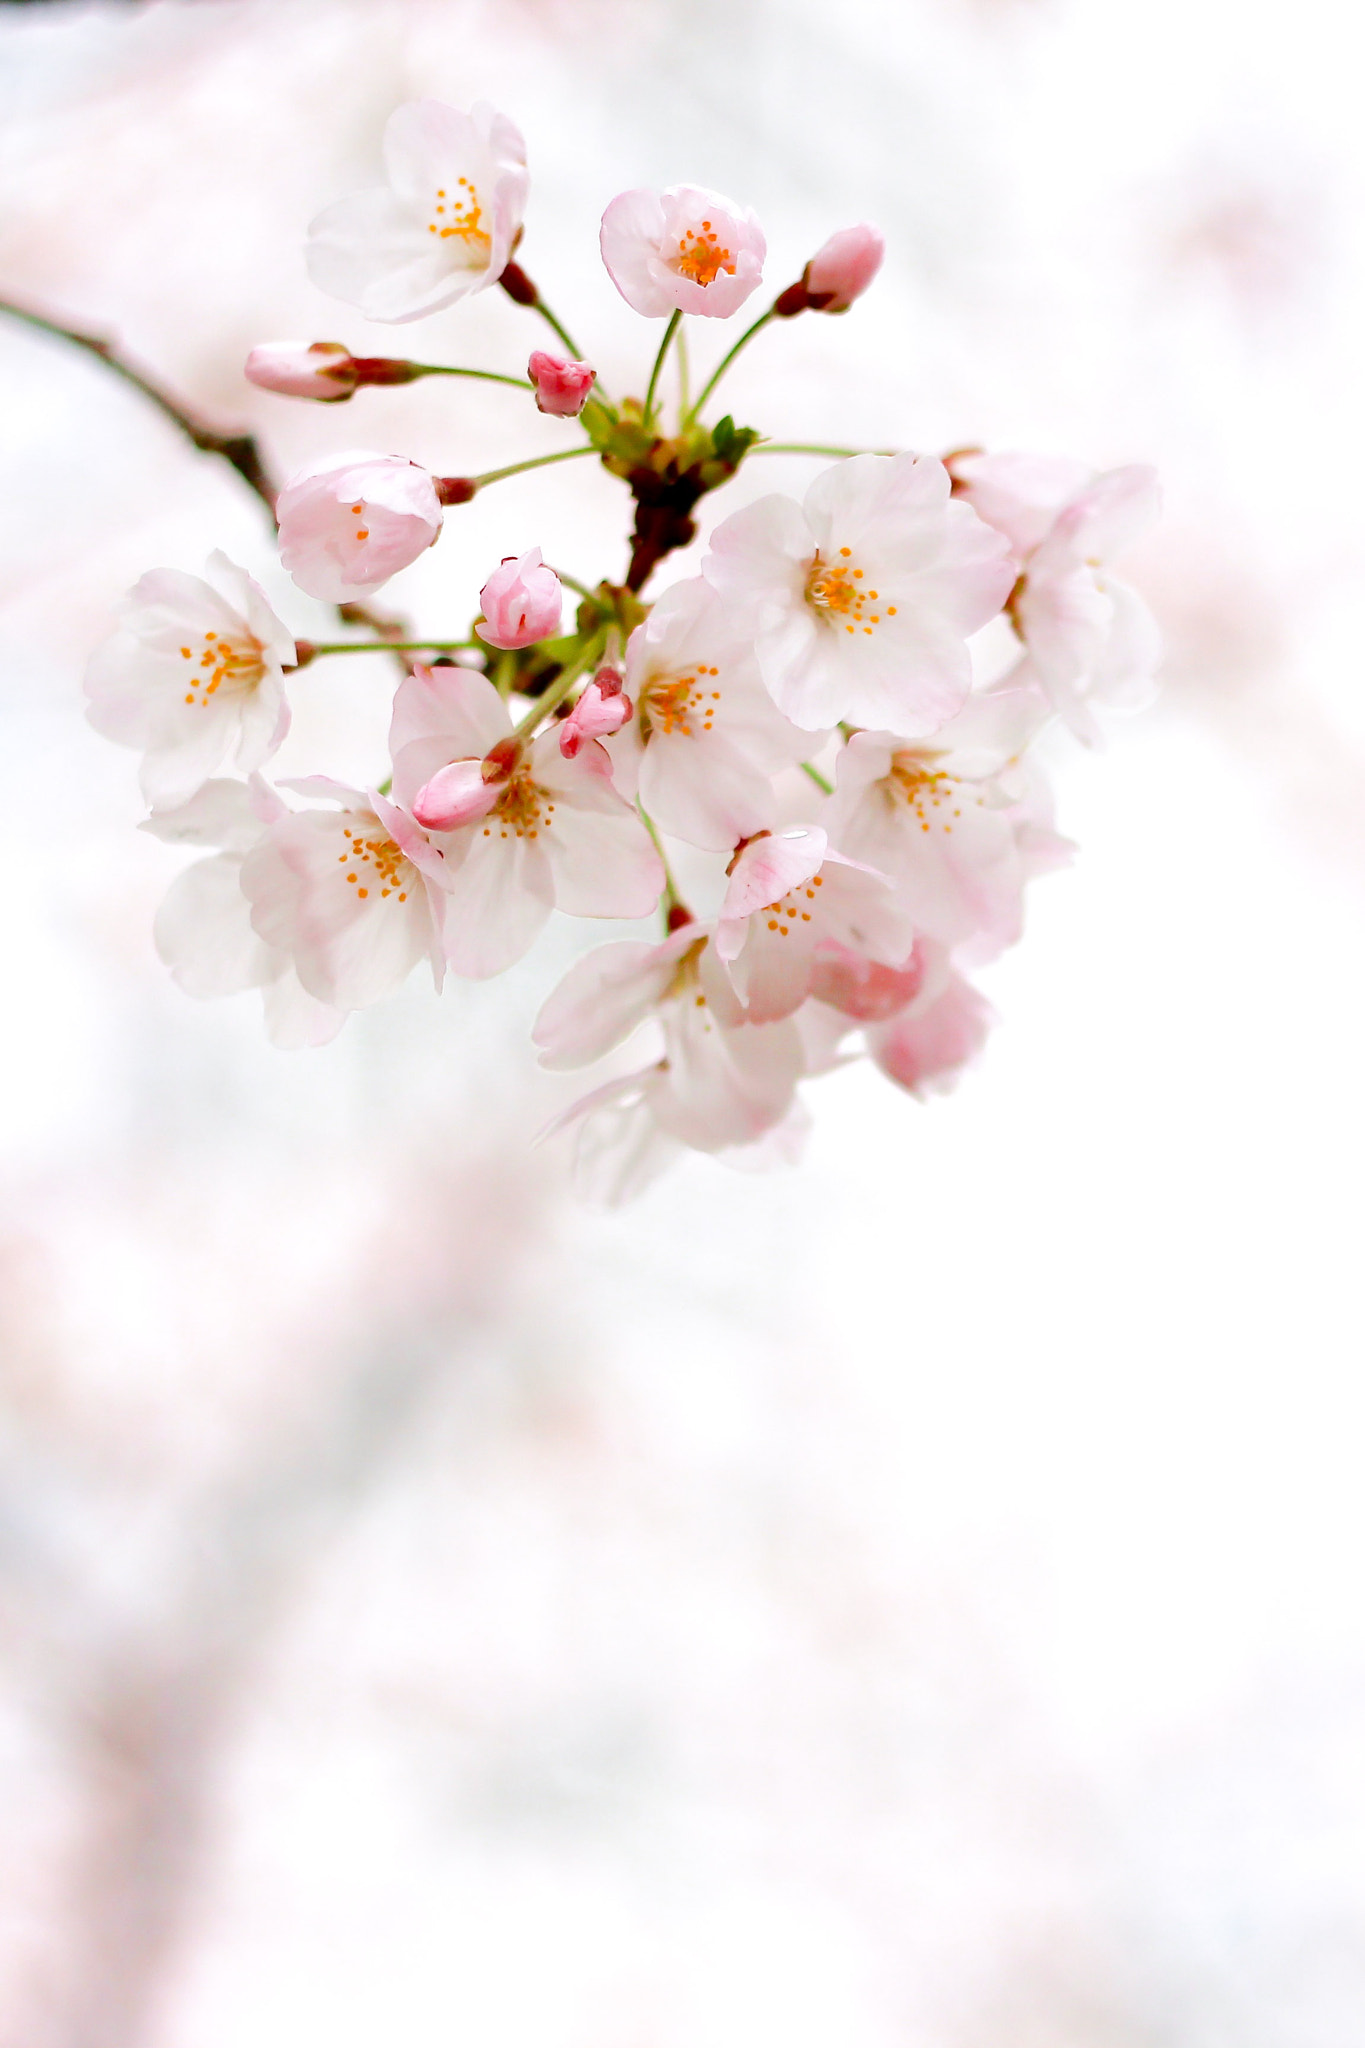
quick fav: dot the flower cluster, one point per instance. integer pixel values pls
(805, 728)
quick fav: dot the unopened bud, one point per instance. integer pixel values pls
(522, 602)
(455, 795)
(561, 383)
(324, 370)
(842, 270)
(602, 708)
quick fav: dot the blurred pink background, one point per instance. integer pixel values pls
(913, 1601)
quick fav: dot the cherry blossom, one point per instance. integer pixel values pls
(561, 383)
(1091, 637)
(685, 250)
(194, 676)
(203, 930)
(715, 1086)
(921, 1022)
(351, 521)
(843, 267)
(304, 369)
(528, 830)
(861, 599)
(941, 817)
(442, 227)
(521, 602)
(788, 892)
(350, 895)
(706, 738)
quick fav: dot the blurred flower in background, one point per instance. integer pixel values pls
(911, 1600)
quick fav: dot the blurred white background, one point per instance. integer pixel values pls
(914, 1601)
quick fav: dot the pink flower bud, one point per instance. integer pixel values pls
(455, 795)
(601, 709)
(843, 268)
(562, 385)
(304, 369)
(522, 602)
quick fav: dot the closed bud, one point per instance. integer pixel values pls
(561, 384)
(522, 602)
(842, 270)
(324, 370)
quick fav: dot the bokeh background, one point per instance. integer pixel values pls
(913, 1601)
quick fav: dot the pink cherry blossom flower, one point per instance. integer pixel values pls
(1091, 638)
(926, 1047)
(562, 384)
(685, 250)
(789, 891)
(603, 708)
(706, 738)
(194, 676)
(304, 369)
(715, 1086)
(351, 521)
(350, 895)
(942, 817)
(441, 228)
(843, 267)
(522, 602)
(861, 599)
(553, 834)
(203, 930)
(921, 1022)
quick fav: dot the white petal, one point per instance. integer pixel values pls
(204, 934)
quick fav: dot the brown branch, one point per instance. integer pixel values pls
(238, 449)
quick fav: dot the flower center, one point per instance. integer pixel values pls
(459, 216)
(926, 790)
(683, 703)
(836, 592)
(793, 908)
(701, 256)
(374, 862)
(222, 661)
(523, 810)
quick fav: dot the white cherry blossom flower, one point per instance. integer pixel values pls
(203, 930)
(685, 250)
(442, 227)
(520, 829)
(193, 675)
(861, 599)
(348, 522)
(788, 891)
(706, 737)
(1091, 638)
(942, 817)
(715, 1087)
(350, 894)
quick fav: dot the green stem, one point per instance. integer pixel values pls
(574, 584)
(560, 687)
(670, 896)
(560, 329)
(493, 476)
(820, 781)
(684, 372)
(813, 448)
(725, 361)
(674, 317)
(389, 646)
(489, 376)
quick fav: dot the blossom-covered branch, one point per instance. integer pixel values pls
(817, 715)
